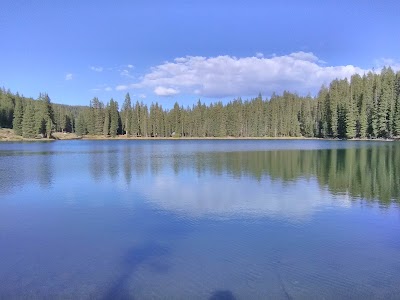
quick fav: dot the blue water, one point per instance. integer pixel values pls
(200, 220)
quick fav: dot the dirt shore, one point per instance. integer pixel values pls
(7, 135)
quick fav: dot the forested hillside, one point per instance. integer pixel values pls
(29, 117)
(365, 106)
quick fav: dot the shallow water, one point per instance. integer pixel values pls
(200, 219)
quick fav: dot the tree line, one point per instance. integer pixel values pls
(366, 106)
(30, 118)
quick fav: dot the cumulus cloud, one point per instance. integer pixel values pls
(96, 69)
(68, 76)
(108, 89)
(224, 76)
(130, 66)
(164, 91)
(382, 62)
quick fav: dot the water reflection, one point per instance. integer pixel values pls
(219, 198)
(288, 183)
(45, 166)
(113, 164)
(127, 165)
(140, 160)
(370, 172)
(96, 165)
(18, 168)
(143, 219)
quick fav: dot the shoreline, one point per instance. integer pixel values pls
(7, 135)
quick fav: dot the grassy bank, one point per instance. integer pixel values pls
(7, 135)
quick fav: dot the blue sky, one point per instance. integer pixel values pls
(169, 51)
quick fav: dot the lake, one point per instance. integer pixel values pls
(192, 219)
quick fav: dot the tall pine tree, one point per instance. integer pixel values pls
(28, 122)
(18, 116)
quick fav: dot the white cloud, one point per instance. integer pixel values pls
(68, 76)
(382, 62)
(164, 91)
(126, 73)
(223, 76)
(122, 87)
(259, 55)
(205, 198)
(142, 96)
(306, 56)
(102, 88)
(96, 69)
(130, 66)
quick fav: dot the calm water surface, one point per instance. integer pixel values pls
(200, 220)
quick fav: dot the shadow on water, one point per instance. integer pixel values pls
(148, 254)
(222, 295)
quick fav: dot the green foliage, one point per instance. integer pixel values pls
(126, 115)
(114, 118)
(396, 118)
(44, 115)
(306, 118)
(80, 128)
(6, 108)
(28, 122)
(98, 116)
(106, 126)
(18, 116)
(367, 106)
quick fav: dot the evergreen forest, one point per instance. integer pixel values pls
(363, 106)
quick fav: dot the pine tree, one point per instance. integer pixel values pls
(306, 120)
(358, 103)
(6, 109)
(135, 120)
(18, 116)
(97, 118)
(126, 115)
(397, 117)
(114, 118)
(44, 115)
(350, 113)
(144, 116)
(89, 120)
(322, 113)
(334, 99)
(106, 127)
(383, 104)
(80, 127)
(154, 120)
(368, 99)
(375, 104)
(28, 122)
